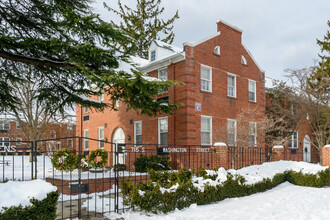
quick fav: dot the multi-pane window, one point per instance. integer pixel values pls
(206, 130)
(4, 125)
(153, 55)
(252, 91)
(231, 85)
(101, 137)
(138, 133)
(52, 134)
(86, 140)
(17, 125)
(163, 131)
(243, 60)
(252, 134)
(231, 132)
(163, 75)
(206, 78)
(4, 142)
(70, 143)
(19, 141)
(293, 140)
(70, 127)
(101, 97)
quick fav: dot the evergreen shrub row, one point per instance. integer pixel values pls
(43, 209)
(149, 196)
(143, 163)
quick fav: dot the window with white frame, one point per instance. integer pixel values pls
(101, 97)
(4, 125)
(70, 127)
(101, 137)
(252, 91)
(252, 134)
(52, 134)
(243, 60)
(70, 143)
(293, 140)
(216, 50)
(17, 125)
(163, 75)
(231, 132)
(206, 78)
(163, 131)
(4, 141)
(153, 55)
(138, 133)
(231, 85)
(86, 140)
(206, 130)
(85, 109)
(19, 141)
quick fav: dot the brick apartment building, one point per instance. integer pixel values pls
(12, 131)
(221, 78)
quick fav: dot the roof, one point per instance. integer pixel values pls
(168, 46)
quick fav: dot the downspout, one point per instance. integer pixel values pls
(173, 98)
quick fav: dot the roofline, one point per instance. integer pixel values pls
(193, 44)
(229, 25)
(156, 65)
(253, 58)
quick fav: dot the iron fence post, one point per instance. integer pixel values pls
(79, 178)
(32, 160)
(35, 159)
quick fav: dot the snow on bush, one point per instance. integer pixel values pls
(15, 193)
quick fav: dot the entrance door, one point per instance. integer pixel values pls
(307, 149)
(118, 138)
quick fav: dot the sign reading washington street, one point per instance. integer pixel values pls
(174, 150)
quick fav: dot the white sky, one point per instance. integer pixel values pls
(280, 34)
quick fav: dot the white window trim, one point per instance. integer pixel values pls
(210, 68)
(99, 138)
(137, 122)
(165, 68)
(71, 142)
(20, 141)
(159, 128)
(17, 125)
(151, 55)
(2, 142)
(292, 141)
(235, 137)
(255, 90)
(3, 125)
(211, 130)
(217, 50)
(243, 60)
(255, 135)
(235, 86)
(86, 140)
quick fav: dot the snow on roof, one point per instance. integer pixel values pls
(168, 46)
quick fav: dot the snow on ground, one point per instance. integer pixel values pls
(285, 201)
(19, 193)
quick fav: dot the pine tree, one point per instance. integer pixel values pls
(74, 51)
(143, 24)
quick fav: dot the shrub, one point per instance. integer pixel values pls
(166, 191)
(44, 209)
(119, 167)
(144, 163)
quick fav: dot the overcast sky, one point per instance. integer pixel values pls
(280, 34)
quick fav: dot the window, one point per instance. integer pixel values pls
(101, 137)
(153, 55)
(163, 75)
(163, 131)
(252, 134)
(4, 125)
(86, 140)
(101, 97)
(231, 85)
(19, 141)
(58, 146)
(85, 109)
(70, 127)
(70, 143)
(117, 103)
(4, 142)
(138, 133)
(52, 134)
(216, 50)
(231, 132)
(17, 125)
(252, 91)
(206, 78)
(206, 130)
(293, 140)
(243, 60)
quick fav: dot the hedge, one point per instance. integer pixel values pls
(44, 209)
(149, 196)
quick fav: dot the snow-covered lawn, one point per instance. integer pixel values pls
(285, 201)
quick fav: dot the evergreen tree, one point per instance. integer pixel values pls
(143, 24)
(74, 51)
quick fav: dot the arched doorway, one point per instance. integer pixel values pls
(118, 137)
(307, 149)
